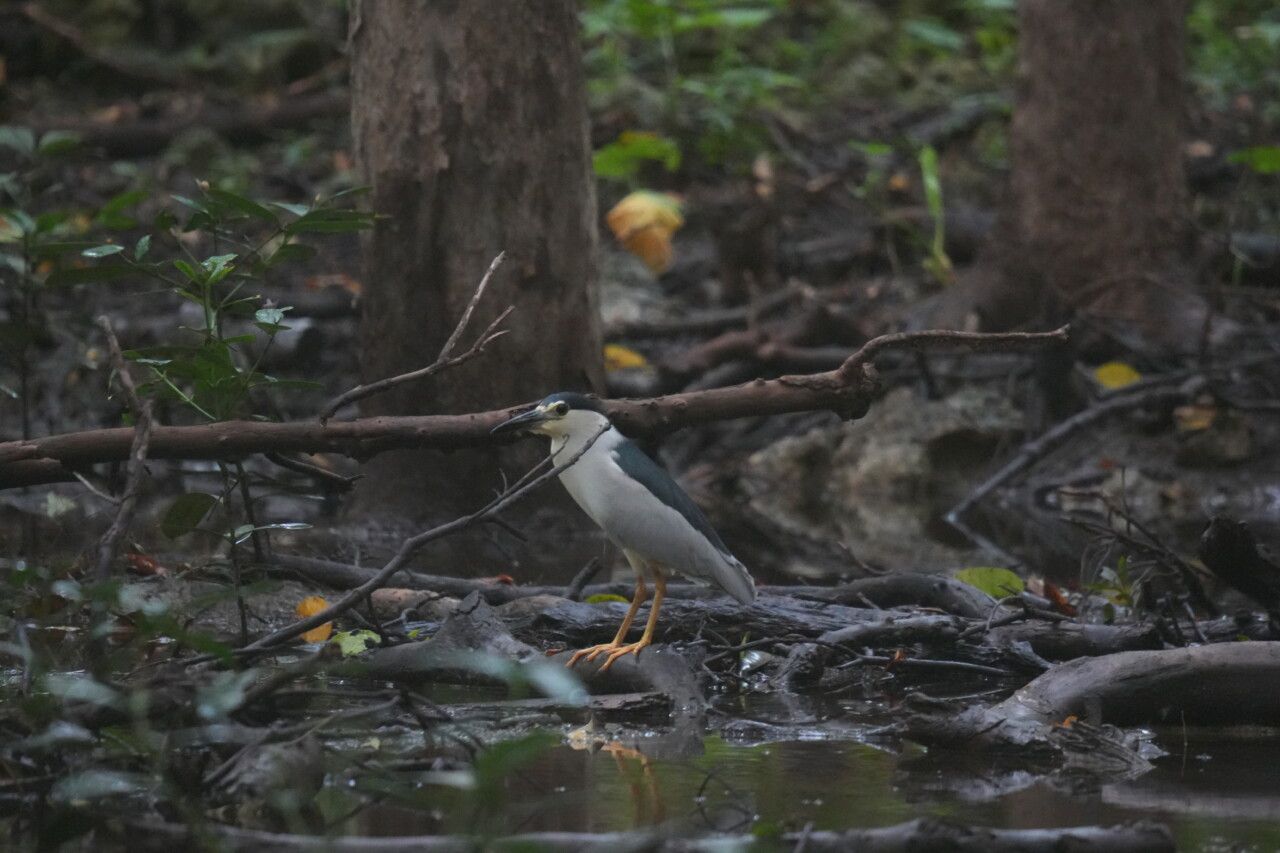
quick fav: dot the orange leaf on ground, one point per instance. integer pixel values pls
(643, 222)
(310, 607)
(144, 565)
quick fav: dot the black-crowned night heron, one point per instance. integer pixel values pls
(642, 510)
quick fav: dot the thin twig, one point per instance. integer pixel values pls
(1035, 450)
(530, 481)
(444, 360)
(137, 464)
(471, 307)
(574, 591)
(324, 477)
(944, 338)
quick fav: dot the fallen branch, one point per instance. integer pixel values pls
(1224, 684)
(846, 391)
(920, 834)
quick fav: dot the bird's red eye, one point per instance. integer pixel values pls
(561, 409)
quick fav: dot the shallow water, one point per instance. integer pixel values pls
(1216, 790)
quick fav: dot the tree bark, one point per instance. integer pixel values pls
(1095, 217)
(470, 126)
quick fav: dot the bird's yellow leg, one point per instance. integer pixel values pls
(592, 652)
(659, 592)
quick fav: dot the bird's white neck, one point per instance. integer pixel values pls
(585, 429)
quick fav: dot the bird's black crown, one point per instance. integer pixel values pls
(575, 401)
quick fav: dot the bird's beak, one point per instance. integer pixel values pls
(526, 422)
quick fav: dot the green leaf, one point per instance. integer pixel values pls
(622, 158)
(187, 270)
(144, 246)
(932, 183)
(295, 209)
(603, 597)
(327, 220)
(20, 139)
(994, 581)
(291, 252)
(103, 251)
(186, 513)
(243, 205)
(59, 142)
(14, 223)
(354, 642)
(46, 222)
(111, 214)
(1263, 159)
(871, 149)
(268, 320)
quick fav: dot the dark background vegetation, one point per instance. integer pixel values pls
(187, 169)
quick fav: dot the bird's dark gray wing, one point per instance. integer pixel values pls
(635, 463)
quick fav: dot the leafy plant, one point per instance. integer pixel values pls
(693, 67)
(623, 158)
(938, 264)
(1117, 586)
(994, 581)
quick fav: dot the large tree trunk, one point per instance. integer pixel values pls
(1095, 220)
(470, 125)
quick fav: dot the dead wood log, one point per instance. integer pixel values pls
(574, 625)
(890, 590)
(805, 663)
(915, 589)
(924, 835)
(1058, 641)
(846, 391)
(451, 655)
(1225, 684)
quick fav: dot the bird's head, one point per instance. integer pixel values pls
(561, 414)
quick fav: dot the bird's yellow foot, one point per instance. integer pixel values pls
(612, 650)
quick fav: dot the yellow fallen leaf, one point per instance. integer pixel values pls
(618, 357)
(1115, 374)
(643, 222)
(310, 607)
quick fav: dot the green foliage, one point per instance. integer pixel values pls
(623, 158)
(1118, 587)
(604, 598)
(216, 375)
(938, 264)
(1234, 44)
(696, 69)
(995, 582)
(1263, 159)
(226, 42)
